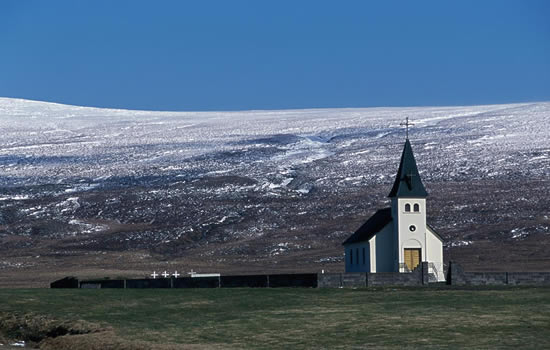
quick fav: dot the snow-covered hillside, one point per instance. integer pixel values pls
(52, 143)
(233, 189)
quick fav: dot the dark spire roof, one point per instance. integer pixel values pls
(370, 228)
(407, 182)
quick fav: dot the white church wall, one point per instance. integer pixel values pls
(385, 250)
(435, 253)
(412, 243)
(411, 225)
(372, 246)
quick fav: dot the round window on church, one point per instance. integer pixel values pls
(412, 228)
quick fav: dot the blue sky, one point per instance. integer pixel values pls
(233, 55)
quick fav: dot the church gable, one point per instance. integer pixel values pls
(370, 228)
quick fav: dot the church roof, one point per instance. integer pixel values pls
(407, 182)
(375, 224)
(435, 233)
(370, 228)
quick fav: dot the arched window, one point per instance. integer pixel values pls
(357, 256)
(416, 207)
(351, 256)
(407, 207)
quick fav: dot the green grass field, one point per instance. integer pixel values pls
(301, 318)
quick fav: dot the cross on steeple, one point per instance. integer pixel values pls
(406, 125)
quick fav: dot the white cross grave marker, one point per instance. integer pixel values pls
(176, 274)
(165, 274)
(191, 273)
(154, 274)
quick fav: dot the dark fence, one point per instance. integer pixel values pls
(67, 282)
(250, 281)
(149, 283)
(240, 281)
(196, 282)
(106, 283)
(418, 277)
(303, 280)
(293, 280)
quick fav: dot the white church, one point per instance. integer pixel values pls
(397, 239)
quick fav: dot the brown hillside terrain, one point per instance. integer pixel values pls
(487, 225)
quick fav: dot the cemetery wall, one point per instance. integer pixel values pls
(329, 280)
(354, 280)
(240, 281)
(419, 277)
(341, 280)
(529, 278)
(457, 276)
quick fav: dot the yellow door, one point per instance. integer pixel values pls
(412, 258)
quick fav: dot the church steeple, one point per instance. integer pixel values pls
(407, 182)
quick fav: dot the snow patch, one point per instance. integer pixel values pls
(81, 188)
(18, 197)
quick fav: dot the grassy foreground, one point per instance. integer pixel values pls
(298, 318)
